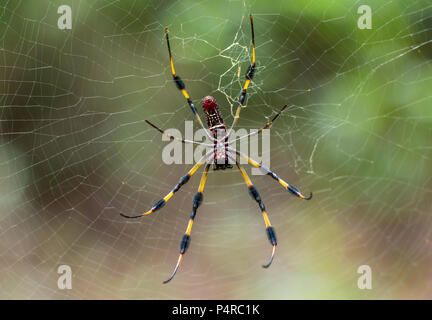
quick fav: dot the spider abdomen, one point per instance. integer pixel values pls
(213, 115)
(218, 129)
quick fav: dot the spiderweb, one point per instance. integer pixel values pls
(75, 150)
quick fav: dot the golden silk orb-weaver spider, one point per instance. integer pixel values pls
(219, 155)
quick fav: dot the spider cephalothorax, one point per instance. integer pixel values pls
(219, 155)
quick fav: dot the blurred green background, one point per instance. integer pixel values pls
(75, 150)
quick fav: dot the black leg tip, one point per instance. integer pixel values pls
(265, 266)
(129, 217)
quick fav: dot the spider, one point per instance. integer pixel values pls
(219, 155)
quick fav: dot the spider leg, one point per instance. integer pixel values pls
(249, 76)
(268, 125)
(266, 170)
(181, 86)
(177, 139)
(183, 180)
(253, 192)
(186, 237)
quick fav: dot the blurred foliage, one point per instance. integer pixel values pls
(75, 150)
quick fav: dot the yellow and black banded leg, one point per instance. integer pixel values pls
(286, 185)
(197, 200)
(253, 192)
(181, 86)
(183, 180)
(249, 76)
